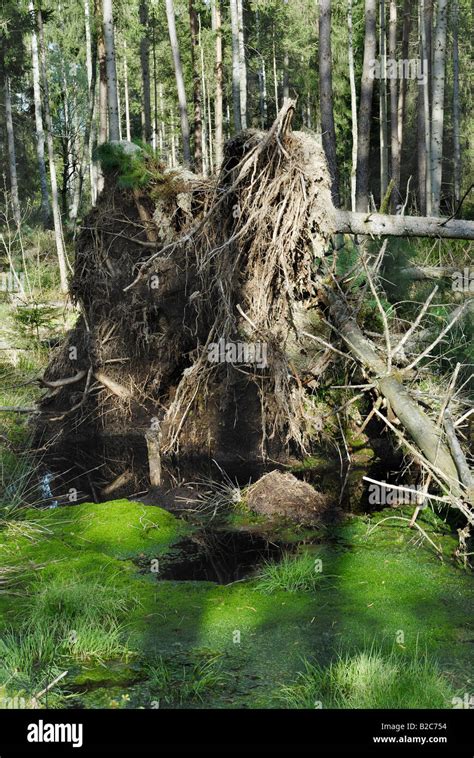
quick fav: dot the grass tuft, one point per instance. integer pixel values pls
(294, 573)
(370, 679)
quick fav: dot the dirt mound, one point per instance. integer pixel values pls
(282, 494)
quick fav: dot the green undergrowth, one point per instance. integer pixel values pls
(369, 679)
(83, 594)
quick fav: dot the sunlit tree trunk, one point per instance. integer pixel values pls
(128, 132)
(286, 73)
(325, 90)
(40, 138)
(425, 56)
(395, 148)
(218, 97)
(353, 105)
(456, 108)
(437, 115)
(112, 98)
(178, 70)
(91, 63)
(365, 108)
(156, 126)
(242, 66)
(58, 230)
(383, 103)
(234, 17)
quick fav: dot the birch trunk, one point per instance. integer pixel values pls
(242, 66)
(91, 62)
(236, 100)
(40, 138)
(58, 230)
(178, 70)
(218, 98)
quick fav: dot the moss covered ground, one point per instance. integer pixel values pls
(194, 643)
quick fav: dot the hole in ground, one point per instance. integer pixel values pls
(221, 557)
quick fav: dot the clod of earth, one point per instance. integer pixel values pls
(282, 494)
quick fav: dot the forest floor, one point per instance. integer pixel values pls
(394, 614)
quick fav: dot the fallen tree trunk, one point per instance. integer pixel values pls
(402, 226)
(418, 425)
(420, 273)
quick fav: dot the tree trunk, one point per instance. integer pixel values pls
(383, 104)
(155, 85)
(234, 17)
(325, 90)
(402, 226)
(128, 132)
(218, 98)
(112, 98)
(58, 230)
(197, 90)
(403, 84)
(437, 115)
(91, 65)
(102, 133)
(178, 70)
(456, 108)
(365, 111)
(145, 70)
(242, 66)
(207, 141)
(418, 425)
(353, 106)
(425, 24)
(275, 74)
(395, 151)
(40, 138)
(11, 153)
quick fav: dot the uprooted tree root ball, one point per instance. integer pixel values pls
(210, 311)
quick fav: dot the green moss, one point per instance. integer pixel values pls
(375, 584)
(313, 463)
